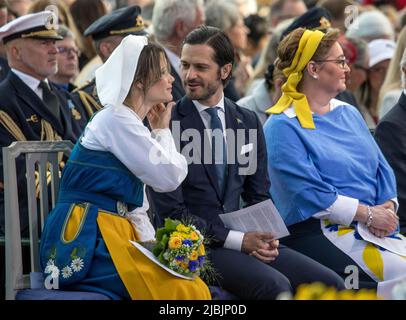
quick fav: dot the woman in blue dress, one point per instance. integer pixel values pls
(85, 243)
(329, 179)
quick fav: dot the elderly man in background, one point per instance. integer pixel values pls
(172, 20)
(68, 60)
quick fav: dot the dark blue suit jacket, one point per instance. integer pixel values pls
(199, 195)
(390, 134)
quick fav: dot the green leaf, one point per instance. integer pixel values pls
(161, 258)
(165, 240)
(158, 249)
(170, 224)
(160, 232)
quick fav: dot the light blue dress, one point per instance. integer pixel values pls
(309, 168)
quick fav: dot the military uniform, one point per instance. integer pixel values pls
(24, 116)
(87, 97)
(4, 69)
(121, 22)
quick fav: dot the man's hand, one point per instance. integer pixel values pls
(260, 245)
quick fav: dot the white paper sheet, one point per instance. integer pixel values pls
(262, 217)
(391, 244)
(154, 259)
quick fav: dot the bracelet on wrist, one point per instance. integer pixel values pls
(370, 217)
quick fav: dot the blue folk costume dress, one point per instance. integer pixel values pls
(85, 243)
(310, 169)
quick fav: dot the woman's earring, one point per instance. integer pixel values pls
(315, 77)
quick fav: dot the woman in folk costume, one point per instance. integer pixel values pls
(85, 242)
(329, 178)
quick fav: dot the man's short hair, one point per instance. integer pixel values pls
(167, 12)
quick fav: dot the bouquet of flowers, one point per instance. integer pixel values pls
(180, 247)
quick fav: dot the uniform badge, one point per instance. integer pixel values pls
(33, 118)
(75, 114)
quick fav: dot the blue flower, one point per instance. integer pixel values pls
(187, 242)
(201, 260)
(193, 264)
(179, 258)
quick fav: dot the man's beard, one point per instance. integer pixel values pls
(207, 92)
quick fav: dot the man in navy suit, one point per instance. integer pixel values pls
(390, 134)
(251, 265)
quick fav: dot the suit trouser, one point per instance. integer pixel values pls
(249, 278)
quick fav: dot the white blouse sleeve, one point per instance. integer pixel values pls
(153, 159)
(342, 211)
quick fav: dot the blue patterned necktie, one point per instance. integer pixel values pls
(218, 147)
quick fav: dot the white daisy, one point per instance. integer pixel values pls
(67, 272)
(199, 234)
(53, 270)
(77, 264)
(50, 262)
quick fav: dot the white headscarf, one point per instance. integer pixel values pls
(114, 78)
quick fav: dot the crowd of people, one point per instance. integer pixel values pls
(320, 83)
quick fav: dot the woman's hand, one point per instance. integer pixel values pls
(159, 116)
(384, 219)
(378, 233)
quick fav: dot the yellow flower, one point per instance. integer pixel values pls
(310, 291)
(179, 235)
(175, 242)
(182, 228)
(184, 265)
(194, 236)
(201, 251)
(329, 294)
(193, 255)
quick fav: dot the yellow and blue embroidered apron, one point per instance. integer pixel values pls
(85, 241)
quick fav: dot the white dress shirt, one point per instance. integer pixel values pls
(234, 238)
(30, 81)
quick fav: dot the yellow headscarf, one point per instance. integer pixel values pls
(308, 45)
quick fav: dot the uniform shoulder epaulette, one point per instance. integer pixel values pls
(12, 127)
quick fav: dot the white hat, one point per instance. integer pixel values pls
(34, 25)
(371, 25)
(380, 50)
(115, 76)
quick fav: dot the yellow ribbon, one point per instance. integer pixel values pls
(308, 45)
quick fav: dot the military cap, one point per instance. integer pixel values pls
(122, 21)
(316, 18)
(40, 25)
